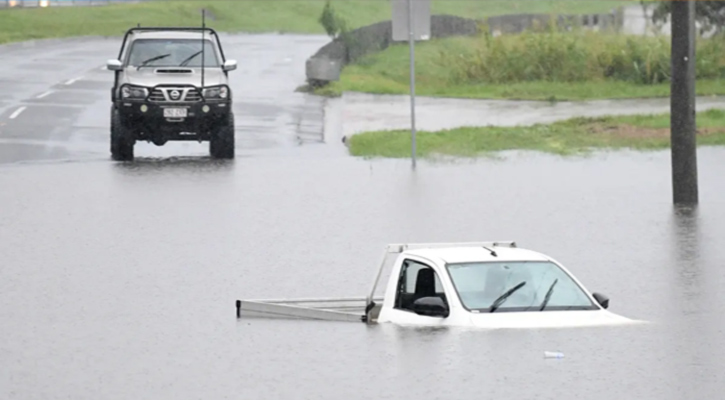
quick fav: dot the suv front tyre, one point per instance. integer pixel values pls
(122, 140)
(221, 143)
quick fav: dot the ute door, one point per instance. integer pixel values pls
(418, 280)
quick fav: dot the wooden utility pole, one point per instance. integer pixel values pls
(682, 104)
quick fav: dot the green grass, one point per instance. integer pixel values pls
(569, 137)
(533, 66)
(551, 91)
(291, 16)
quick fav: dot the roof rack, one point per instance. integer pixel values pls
(170, 28)
(400, 247)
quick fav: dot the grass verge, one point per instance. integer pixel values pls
(533, 66)
(298, 16)
(569, 137)
(549, 91)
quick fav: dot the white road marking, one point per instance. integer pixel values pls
(17, 112)
(40, 96)
(103, 68)
(70, 82)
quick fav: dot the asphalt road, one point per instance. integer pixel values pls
(55, 98)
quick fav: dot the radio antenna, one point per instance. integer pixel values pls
(203, 29)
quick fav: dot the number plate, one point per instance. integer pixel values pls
(175, 112)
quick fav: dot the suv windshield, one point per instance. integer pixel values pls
(479, 285)
(172, 53)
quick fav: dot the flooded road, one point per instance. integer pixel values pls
(55, 99)
(362, 112)
(118, 281)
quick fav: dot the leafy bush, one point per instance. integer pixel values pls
(575, 56)
(333, 23)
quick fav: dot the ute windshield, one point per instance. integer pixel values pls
(481, 286)
(172, 53)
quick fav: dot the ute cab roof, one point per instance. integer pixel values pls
(460, 254)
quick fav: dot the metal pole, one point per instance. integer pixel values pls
(682, 104)
(203, 29)
(411, 44)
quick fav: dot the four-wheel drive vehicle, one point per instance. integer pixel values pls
(169, 87)
(482, 284)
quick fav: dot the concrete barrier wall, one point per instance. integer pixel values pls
(326, 65)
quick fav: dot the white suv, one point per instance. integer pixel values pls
(168, 86)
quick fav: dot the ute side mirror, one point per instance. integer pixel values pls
(601, 299)
(114, 65)
(229, 65)
(431, 307)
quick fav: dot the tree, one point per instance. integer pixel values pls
(333, 23)
(709, 14)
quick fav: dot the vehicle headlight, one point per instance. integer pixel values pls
(217, 92)
(134, 92)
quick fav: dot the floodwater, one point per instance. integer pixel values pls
(119, 280)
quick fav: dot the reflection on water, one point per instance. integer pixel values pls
(118, 281)
(695, 332)
(142, 166)
(686, 248)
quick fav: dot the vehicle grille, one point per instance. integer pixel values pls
(157, 96)
(192, 96)
(162, 95)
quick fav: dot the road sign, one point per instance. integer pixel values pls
(421, 20)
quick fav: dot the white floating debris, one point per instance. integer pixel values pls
(553, 354)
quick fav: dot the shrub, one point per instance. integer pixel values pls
(575, 56)
(333, 23)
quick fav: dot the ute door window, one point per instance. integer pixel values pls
(417, 280)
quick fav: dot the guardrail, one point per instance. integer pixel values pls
(59, 3)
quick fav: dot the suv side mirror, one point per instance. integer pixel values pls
(431, 307)
(114, 65)
(601, 299)
(229, 65)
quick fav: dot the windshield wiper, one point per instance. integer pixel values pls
(503, 297)
(183, 63)
(548, 295)
(143, 64)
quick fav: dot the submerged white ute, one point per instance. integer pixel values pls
(479, 284)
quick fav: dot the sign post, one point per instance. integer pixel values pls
(411, 23)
